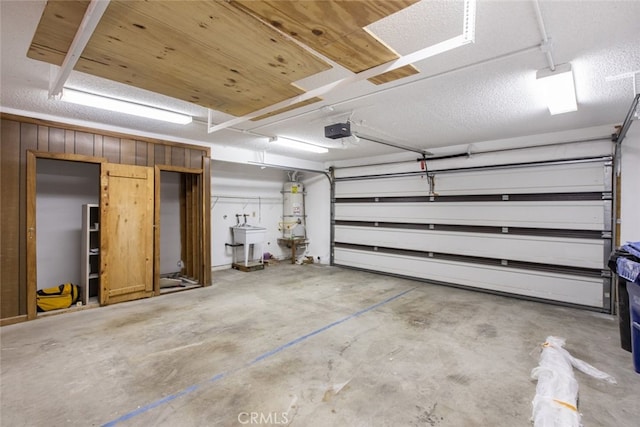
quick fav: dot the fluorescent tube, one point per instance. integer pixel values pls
(119, 106)
(298, 145)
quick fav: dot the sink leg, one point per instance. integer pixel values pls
(293, 252)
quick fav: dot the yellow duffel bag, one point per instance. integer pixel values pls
(62, 296)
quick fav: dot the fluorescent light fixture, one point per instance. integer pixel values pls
(558, 89)
(298, 145)
(119, 106)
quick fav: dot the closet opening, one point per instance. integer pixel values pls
(179, 223)
(67, 195)
(85, 215)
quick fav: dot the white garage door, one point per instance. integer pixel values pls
(540, 231)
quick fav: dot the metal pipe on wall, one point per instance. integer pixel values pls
(258, 198)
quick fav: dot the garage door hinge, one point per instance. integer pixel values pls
(606, 196)
(606, 235)
(605, 273)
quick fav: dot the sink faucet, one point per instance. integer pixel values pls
(237, 219)
(245, 218)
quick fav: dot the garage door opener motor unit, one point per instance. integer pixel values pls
(338, 130)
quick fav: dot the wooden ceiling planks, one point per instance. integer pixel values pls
(54, 34)
(334, 28)
(203, 52)
(216, 53)
(398, 73)
(206, 53)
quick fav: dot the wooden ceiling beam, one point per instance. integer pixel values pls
(87, 26)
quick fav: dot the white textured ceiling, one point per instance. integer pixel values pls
(479, 92)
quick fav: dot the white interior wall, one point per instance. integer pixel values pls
(244, 189)
(630, 186)
(239, 188)
(170, 248)
(62, 187)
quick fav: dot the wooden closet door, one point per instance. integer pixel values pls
(126, 233)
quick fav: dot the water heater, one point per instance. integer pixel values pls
(293, 216)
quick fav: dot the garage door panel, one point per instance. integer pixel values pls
(543, 179)
(415, 185)
(586, 253)
(578, 215)
(554, 287)
(582, 177)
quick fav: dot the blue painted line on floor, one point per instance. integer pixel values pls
(150, 406)
(217, 377)
(324, 328)
(260, 358)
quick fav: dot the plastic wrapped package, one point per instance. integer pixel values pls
(556, 400)
(628, 269)
(633, 248)
(628, 262)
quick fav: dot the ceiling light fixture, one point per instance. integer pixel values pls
(120, 106)
(298, 145)
(558, 88)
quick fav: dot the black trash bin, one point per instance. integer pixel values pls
(627, 269)
(624, 316)
(634, 308)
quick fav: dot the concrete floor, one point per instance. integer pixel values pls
(305, 345)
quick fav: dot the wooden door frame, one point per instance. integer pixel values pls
(31, 232)
(156, 216)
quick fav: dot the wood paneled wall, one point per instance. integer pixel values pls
(20, 134)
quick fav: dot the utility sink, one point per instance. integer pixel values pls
(249, 235)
